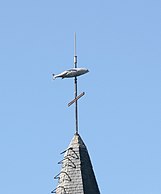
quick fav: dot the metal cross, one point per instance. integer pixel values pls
(75, 88)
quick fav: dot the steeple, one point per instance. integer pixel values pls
(77, 175)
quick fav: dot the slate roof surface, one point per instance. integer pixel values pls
(77, 175)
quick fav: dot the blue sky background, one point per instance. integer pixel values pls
(119, 117)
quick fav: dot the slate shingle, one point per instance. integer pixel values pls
(77, 175)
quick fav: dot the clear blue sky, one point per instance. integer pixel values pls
(120, 115)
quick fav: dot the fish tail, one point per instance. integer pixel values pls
(53, 76)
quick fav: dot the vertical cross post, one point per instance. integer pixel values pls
(75, 85)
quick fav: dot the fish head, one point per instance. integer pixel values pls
(85, 70)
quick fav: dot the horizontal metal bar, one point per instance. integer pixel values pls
(70, 103)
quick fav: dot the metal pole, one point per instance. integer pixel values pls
(76, 105)
(75, 85)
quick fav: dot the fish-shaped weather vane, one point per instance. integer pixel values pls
(73, 73)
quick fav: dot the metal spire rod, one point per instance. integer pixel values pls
(73, 73)
(77, 97)
(75, 85)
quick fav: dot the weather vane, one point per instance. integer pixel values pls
(73, 73)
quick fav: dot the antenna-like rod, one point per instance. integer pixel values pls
(75, 85)
(75, 46)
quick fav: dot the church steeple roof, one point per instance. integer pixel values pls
(77, 175)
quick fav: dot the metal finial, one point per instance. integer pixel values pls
(73, 73)
(75, 88)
